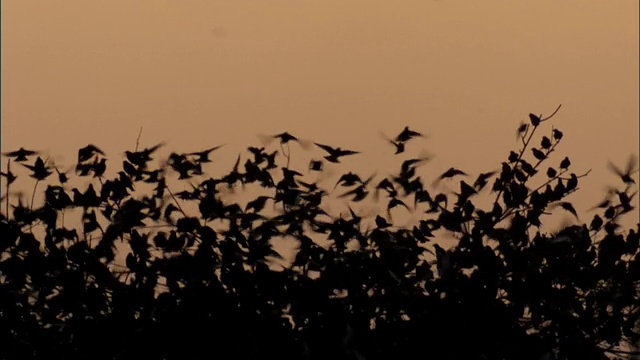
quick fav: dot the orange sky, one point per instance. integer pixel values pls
(203, 73)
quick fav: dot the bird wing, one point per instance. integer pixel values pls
(347, 152)
(326, 148)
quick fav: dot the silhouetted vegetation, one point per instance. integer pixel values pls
(193, 275)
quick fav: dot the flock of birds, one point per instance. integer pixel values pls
(92, 160)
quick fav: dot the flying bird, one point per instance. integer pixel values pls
(625, 175)
(285, 138)
(203, 156)
(40, 170)
(20, 154)
(449, 174)
(315, 165)
(87, 152)
(141, 158)
(348, 179)
(407, 135)
(335, 153)
(482, 180)
(10, 177)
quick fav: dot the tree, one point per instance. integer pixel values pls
(211, 285)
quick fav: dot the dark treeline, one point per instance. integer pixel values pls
(141, 277)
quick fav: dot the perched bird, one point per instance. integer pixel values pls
(335, 153)
(20, 154)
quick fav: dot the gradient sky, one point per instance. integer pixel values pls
(202, 73)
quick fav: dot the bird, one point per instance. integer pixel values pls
(20, 154)
(335, 153)
(348, 179)
(407, 135)
(482, 179)
(399, 146)
(141, 158)
(10, 177)
(449, 174)
(40, 170)
(360, 192)
(443, 260)
(258, 203)
(285, 138)
(315, 165)
(62, 176)
(87, 152)
(203, 156)
(522, 129)
(625, 175)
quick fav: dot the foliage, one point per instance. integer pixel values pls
(209, 286)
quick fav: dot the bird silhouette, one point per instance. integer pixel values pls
(141, 158)
(399, 146)
(625, 175)
(538, 154)
(10, 177)
(335, 153)
(315, 165)
(203, 156)
(482, 179)
(62, 175)
(360, 192)
(522, 129)
(449, 174)
(285, 138)
(87, 152)
(20, 154)
(348, 179)
(39, 169)
(258, 203)
(407, 135)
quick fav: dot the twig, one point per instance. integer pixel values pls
(138, 139)
(552, 114)
(8, 183)
(176, 201)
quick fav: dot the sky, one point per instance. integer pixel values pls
(197, 74)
